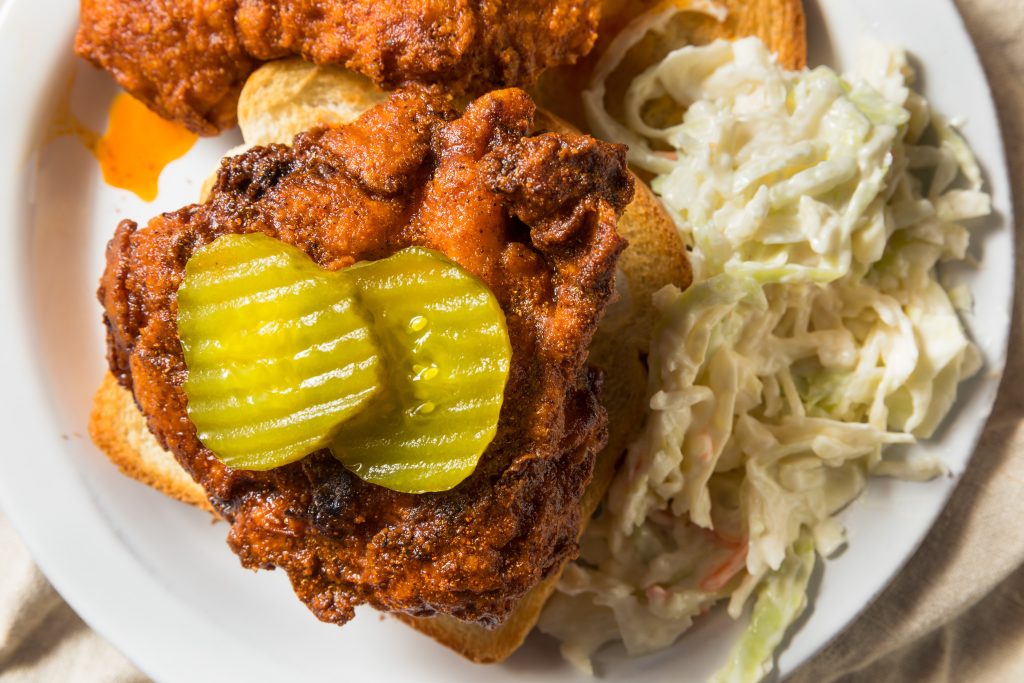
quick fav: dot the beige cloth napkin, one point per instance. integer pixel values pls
(955, 613)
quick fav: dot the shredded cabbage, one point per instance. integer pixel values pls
(817, 207)
(780, 601)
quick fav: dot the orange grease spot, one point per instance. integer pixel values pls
(137, 146)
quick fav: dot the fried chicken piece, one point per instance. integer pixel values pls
(534, 216)
(188, 60)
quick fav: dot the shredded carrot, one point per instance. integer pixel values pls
(722, 541)
(724, 572)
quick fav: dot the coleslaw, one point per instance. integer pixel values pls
(816, 335)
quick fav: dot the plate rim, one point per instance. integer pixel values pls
(113, 618)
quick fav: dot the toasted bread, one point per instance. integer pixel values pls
(283, 98)
(119, 430)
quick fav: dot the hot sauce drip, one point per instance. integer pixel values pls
(138, 145)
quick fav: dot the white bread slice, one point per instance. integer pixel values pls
(119, 430)
(290, 96)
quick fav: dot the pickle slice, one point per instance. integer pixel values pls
(279, 351)
(447, 357)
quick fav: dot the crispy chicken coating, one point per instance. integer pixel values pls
(534, 216)
(189, 60)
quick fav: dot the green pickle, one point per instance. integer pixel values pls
(447, 356)
(398, 365)
(278, 349)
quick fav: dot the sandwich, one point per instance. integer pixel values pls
(120, 429)
(473, 565)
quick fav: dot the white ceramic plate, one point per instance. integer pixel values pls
(155, 577)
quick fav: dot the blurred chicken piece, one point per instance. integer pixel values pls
(189, 60)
